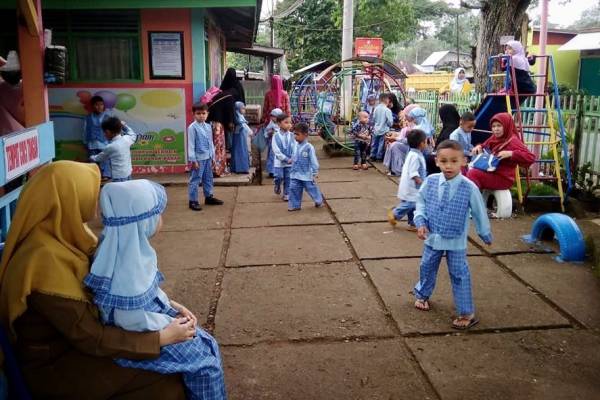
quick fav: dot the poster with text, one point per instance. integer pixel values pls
(157, 115)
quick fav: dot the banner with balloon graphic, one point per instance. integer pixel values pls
(158, 115)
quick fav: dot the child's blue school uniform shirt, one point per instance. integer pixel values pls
(200, 142)
(94, 138)
(283, 145)
(304, 162)
(464, 138)
(460, 187)
(382, 120)
(118, 154)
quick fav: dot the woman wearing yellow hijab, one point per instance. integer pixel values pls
(64, 350)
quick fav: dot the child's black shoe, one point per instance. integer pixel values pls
(194, 205)
(213, 201)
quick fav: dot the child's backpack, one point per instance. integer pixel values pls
(209, 95)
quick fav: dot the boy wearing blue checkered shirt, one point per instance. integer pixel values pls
(201, 152)
(283, 145)
(304, 170)
(442, 218)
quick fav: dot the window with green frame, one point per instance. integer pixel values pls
(102, 45)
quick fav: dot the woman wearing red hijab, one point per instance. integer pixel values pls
(275, 98)
(506, 145)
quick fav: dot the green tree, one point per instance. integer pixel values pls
(309, 33)
(589, 18)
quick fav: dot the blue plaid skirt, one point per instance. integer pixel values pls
(199, 360)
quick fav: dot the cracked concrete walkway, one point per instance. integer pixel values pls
(317, 305)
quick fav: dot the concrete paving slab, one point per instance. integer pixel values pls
(507, 236)
(298, 302)
(363, 209)
(200, 249)
(274, 214)
(261, 194)
(573, 287)
(178, 217)
(378, 370)
(182, 179)
(192, 288)
(286, 245)
(349, 175)
(500, 301)
(381, 240)
(538, 365)
(341, 190)
(336, 162)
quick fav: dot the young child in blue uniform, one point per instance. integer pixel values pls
(445, 202)
(93, 137)
(270, 130)
(201, 152)
(117, 152)
(305, 169)
(124, 279)
(362, 133)
(283, 145)
(462, 134)
(414, 172)
(382, 122)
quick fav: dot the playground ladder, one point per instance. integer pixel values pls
(545, 134)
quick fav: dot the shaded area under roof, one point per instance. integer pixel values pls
(258, 51)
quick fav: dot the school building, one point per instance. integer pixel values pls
(148, 59)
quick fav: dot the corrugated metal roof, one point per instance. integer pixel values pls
(583, 41)
(435, 58)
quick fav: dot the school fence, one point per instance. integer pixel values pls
(581, 115)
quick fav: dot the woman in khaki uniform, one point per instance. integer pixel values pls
(64, 350)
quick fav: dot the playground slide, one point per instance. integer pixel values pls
(490, 106)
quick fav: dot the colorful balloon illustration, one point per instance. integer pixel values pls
(110, 99)
(125, 102)
(161, 98)
(74, 106)
(84, 98)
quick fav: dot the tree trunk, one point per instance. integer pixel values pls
(497, 18)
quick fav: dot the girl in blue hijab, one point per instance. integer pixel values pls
(419, 116)
(240, 159)
(124, 279)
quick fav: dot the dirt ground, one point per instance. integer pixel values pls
(317, 304)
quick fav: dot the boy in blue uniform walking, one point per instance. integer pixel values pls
(201, 152)
(445, 202)
(304, 170)
(94, 139)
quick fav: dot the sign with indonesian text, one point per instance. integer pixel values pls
(21, 153)
(368, 47)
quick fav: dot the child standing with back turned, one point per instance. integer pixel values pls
(442, 218)
(305, 168)
(117, 152)
(283, 145)
(382, 121)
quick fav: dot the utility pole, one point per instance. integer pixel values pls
(457, 44)
(347, 39)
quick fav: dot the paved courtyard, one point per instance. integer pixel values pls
(317, 304)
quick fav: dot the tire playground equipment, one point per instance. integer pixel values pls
(303, 99)
(566, 231)
(369, 75)
(503, 201)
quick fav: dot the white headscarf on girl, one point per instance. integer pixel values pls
(124, 274)
(519, 59)
(456, 85)
(419, 116)
(240, 120)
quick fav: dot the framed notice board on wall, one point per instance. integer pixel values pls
(166, 55)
